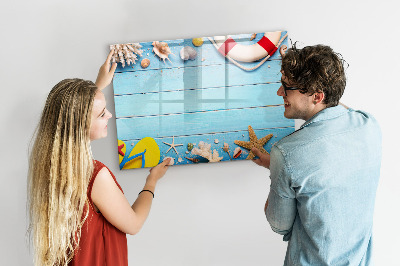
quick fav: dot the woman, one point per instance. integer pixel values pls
(78, 212)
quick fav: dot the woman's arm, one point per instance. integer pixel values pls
(114, 206)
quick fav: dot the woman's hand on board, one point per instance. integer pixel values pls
(157, 172)
(106, 72)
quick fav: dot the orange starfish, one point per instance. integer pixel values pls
(254, 142)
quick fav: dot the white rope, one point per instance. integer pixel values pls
(252, 68)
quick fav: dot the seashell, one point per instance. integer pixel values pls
(253, 36)
(145, 63)
(161, 49)
(180, 159)
(188, 52)
(192, 159)
(226, 147)
(197, 41)
(283, 50)
(237, 152)
(170, 162)
(190, 146)
(216, 141)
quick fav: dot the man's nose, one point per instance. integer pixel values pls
(280, 91)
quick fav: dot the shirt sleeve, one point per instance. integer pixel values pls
(281, 210)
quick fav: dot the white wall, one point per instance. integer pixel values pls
(204, 214)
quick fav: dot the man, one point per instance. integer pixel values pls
(324, 175)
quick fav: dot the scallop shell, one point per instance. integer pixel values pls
(170, 162)
(145, 63)
(162, 50)
(188, 52)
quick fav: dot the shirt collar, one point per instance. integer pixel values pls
(325, 114)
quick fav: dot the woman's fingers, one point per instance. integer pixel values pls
(113, 68)
(110, 54)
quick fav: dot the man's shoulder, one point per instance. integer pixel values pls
(312, 132)
(368, 117)
(365, 122)
(292, 142)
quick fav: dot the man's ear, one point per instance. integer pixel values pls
(318, 97)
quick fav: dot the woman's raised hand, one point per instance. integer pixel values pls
(106, 72)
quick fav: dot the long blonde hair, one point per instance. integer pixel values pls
(60, 168)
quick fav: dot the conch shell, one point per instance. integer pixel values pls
(195, 160)
(162, 50)
(237, 152)
(226, 149)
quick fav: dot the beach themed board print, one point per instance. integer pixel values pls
(200, 100)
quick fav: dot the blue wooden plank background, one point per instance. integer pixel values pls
(192, 100)
(202, 122)
(156, 80)
(207, 99)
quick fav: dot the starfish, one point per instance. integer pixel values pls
(120, 147)
(172, 145)
(254, 143)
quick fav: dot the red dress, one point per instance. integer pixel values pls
(101, 243)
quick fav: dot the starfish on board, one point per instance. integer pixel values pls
(172, 145)
(120, 147)
(254, 143)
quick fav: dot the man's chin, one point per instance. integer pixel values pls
(287, 115)
(290, 116)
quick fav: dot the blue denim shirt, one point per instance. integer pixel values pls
(323, 183)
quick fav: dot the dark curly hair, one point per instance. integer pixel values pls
(316, 69)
